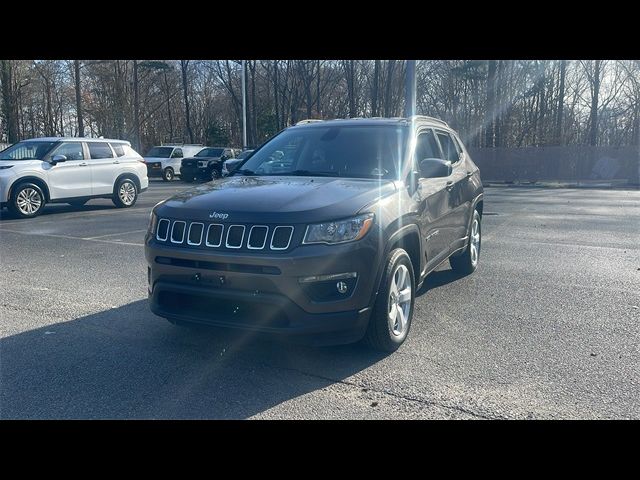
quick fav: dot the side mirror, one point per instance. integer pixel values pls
(58, 159)
(435, 168)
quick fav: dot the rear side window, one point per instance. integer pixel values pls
(427, 147)
(118, 148)
(99, 150)
(448, 147)
(71, 150)
(130, 152)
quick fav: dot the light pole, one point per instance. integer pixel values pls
(410, 89)
(244, 108)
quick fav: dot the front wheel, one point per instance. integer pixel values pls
(27, 201)
(215, 174)
(168, 174)
(393, 310)
(467, 262)
(125, 194)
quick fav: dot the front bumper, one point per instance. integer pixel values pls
(265, 313)
(262, 291)
(195, 172)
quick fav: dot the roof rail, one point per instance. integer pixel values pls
(429, 119)
(309, 120)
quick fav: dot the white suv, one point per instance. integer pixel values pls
(69, 170)
(165, 160)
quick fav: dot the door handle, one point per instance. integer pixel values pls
(117, 162)
(84, 164)
(449, 186)
(469, 174)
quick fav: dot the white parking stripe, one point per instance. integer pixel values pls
(113, 234)
(71, 238)
(71, 216)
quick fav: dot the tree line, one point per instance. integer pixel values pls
(494, 103)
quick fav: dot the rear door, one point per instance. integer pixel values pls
(458, 204)
(104, 167)
(71, 178)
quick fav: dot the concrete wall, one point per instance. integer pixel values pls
(570, 163)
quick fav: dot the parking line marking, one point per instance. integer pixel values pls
(114, 234)
(72, 238)
(94, 213)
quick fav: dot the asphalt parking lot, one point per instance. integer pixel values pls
(548, 327)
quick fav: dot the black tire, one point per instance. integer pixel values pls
(168, 174)
(467, 262)
(215, 174)
(27, 200)
(380, 333)
(130, 195)
(77, 203)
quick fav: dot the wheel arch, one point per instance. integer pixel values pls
(30, 179)
(128, 175)
(407, 238)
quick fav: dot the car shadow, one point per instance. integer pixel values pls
(127, 363)
(438, 279)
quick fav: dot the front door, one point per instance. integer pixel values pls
(71, 178)
(433, 201)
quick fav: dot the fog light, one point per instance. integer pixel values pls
(342, 287)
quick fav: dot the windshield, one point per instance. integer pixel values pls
(244, 154)
(210, 152)
(160, 152)
(28, 150)
(371, 151)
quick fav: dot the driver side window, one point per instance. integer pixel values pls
(426, 147)
(71, 150)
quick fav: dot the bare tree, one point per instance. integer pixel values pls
(184, 65)
(9, 103)
(76, 69)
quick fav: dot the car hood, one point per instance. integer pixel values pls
(201, 158)
(276, 199)
(22, 163)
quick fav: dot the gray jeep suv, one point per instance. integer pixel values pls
(324, 234)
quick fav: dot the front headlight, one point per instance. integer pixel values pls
(153, 220)
(339, 231)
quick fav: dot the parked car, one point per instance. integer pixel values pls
(165, 160)
(206, 164)
(330, 250)
(230, 165)
(70, 170)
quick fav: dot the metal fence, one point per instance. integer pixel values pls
(563, 164)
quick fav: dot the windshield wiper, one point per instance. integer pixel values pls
(310, 173)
